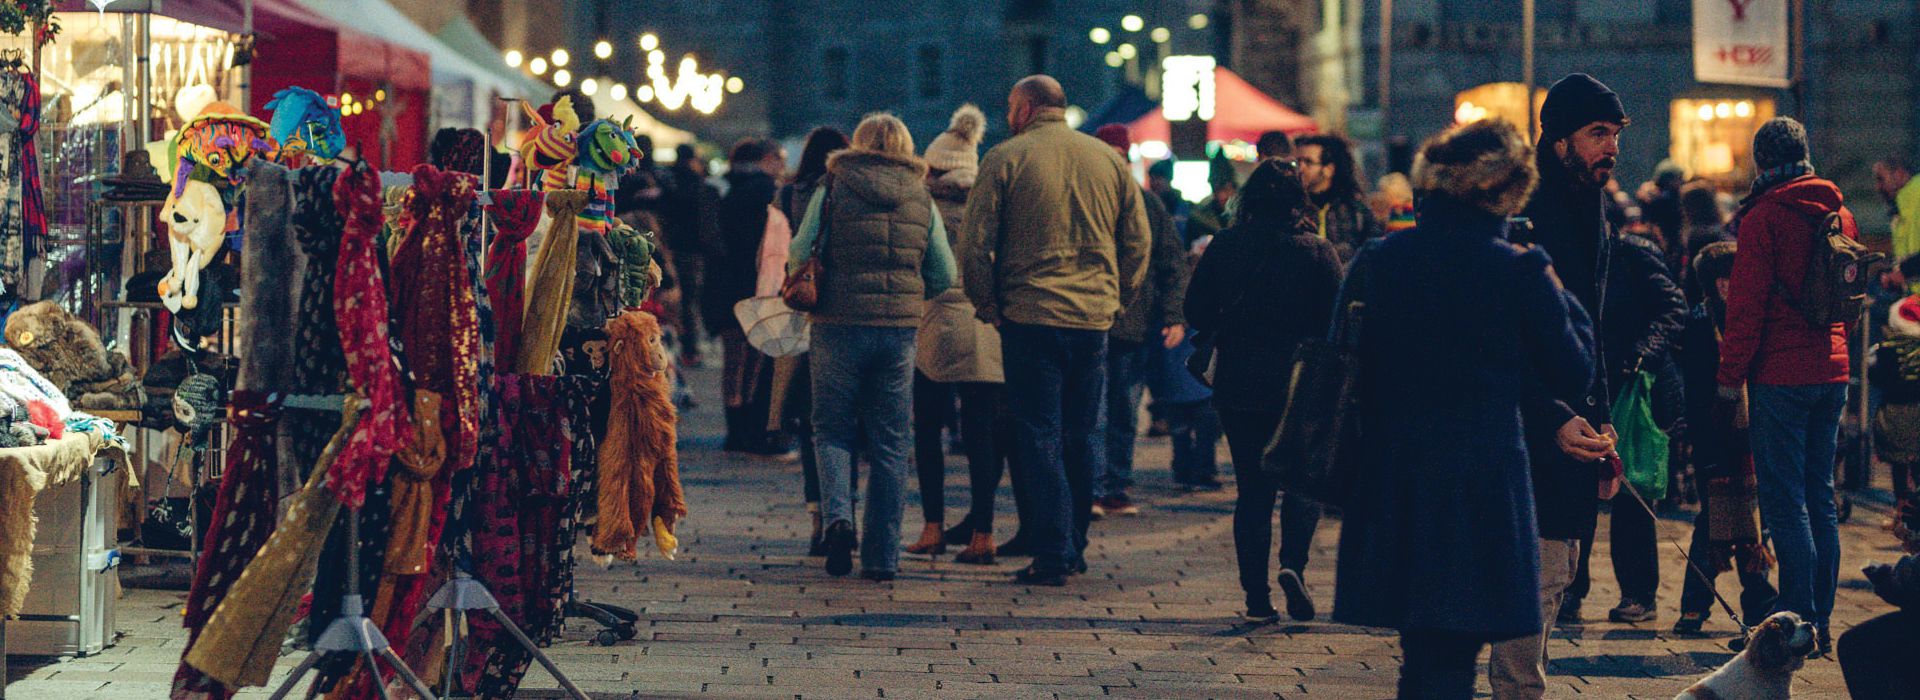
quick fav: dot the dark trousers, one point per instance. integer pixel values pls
(1248, 433)
(1126, 381)
(1877, 657)
(1696, 592)
(689, 268)
(1056, 379)
(1194, 429)
(980, 435)
(1633, 541)
(1438, 665)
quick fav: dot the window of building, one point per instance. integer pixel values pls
(835, 64)
(1036, 55)
(1713, 136)
(932, 74)
(1506, 101)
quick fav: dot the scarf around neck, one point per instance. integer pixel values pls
(1778, 174)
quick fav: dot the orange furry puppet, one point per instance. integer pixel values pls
(639, 465)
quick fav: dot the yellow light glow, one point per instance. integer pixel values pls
(560, 57)
(1114, 59)
(649, 42)
(1132, 23)
(1706, 113)
(644, 93)
(346, 97)
(735, 85)
(588, 86)
(379, 95)
(688, 64)
(1100, 35)
(618, 92)
(656, 57)
(603, 49)
(1723, 110)
(513, 58)
(1743, 110)
(538, 66)
(1197, 22)
(1128, 51)
(562, 77)
(1161, 35)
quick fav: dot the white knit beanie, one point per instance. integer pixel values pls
(958, 148)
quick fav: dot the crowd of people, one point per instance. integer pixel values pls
(1018, 307)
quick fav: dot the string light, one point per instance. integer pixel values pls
(588, 86)
(1197, 22)
(1161, 35)
(735, 85)
(1132, 23)
(643, 93)
(687, 88)
(560, 57)
(1114, 59)
(649, 42)
(1128, 51)
(346, 97)
(562, 77)
(1100, 35)
(379, 95)
(538, 66)
(603, 49)
(513, 58)
(618, 92)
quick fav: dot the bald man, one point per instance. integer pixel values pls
(1056, 246)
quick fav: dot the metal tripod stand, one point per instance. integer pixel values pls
(352, 633)
(463, 594)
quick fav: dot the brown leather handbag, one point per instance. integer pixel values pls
(801, 290)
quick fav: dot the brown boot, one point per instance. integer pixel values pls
(930, 541)
(979, 551)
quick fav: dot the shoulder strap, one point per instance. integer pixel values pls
(826, 215)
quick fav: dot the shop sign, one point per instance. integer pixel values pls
(1740, 42)
(1186, 88)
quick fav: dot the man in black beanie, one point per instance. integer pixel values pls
(1567, 436)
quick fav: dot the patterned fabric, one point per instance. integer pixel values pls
(23, 216)
(598, 215)
(360, 309)
(243, 518)
(515, 213)
(455, 544)
(320, 366)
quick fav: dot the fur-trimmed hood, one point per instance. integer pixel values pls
(1485, 164)
(881, 178)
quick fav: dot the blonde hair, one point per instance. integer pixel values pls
(884, 133)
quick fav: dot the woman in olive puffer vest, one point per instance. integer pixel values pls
(884, 252)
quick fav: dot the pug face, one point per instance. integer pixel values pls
(1781, 642)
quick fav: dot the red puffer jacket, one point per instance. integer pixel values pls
(1766, 341)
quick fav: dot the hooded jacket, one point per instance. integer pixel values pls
(1056, 231)
(1162, 299)
(1766, 341)
(733, 267)
(885, 248)
(953, 345)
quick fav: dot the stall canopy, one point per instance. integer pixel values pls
(1241, 113)
(379, 19)
(461, 36)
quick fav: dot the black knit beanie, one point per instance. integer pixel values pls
(1576, 101)
(1780, 141)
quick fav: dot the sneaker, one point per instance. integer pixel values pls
(1299, 601)
(1260, 610)
(1633, 611)
(1570, 614)
(1690, 624)
(1032, 577)
(1119, 504)
(840, 545)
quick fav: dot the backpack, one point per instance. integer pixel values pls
(1834, 288)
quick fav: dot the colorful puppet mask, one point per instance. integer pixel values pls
(608, 148)
(550, 142)
(220, 140)
(304, 124)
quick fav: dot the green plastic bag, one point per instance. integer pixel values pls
(1643, 446)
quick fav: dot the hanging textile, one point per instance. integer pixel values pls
(23, 218)
(245, 509)
(514, 214)
(454, 542)
(551, 290)
(243, 637)
(360, 309)
(319, 364)
(639, 465)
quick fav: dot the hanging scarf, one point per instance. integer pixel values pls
(360, 309)
(598, 216)
(33, 208)
(319, 365)
(551, 288)
(514, 214)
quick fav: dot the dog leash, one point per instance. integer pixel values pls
(1745, 631)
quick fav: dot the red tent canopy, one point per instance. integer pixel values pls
(1240, 112)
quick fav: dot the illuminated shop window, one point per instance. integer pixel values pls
(1713, 136)
(1495, 101)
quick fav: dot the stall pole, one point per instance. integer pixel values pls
(143, 123)
(246, 71)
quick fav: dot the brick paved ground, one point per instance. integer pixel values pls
(744, 613)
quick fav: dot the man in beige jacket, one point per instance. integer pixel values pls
(1056, 245)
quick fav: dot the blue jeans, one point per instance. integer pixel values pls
(1055, 380)
(863, 381)
(1794, 430)
(1126, 382)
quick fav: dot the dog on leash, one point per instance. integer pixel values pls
(1764, 670)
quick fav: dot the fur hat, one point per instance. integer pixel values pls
(958, 148)
(1903, 319)
(70, 354)
(1486, 164)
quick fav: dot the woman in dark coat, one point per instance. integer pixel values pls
(1262, 287)
(1439, 541)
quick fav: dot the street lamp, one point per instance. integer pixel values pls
(1100, 35)
(560, 57)
(602, 49)
(513, 58)
(1132, 23)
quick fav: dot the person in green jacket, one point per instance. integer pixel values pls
(1898, 186)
